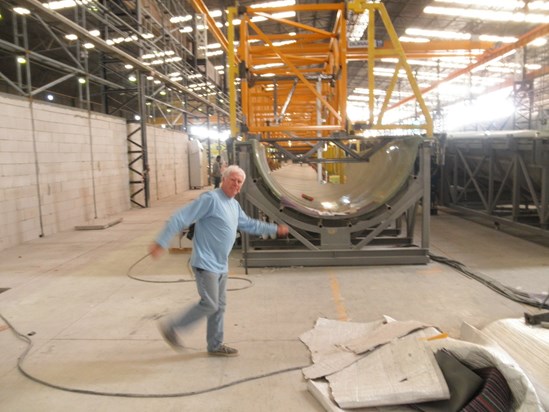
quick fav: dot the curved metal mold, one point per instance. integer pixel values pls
(368, 185)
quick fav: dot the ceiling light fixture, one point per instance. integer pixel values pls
(497, 39)
(488, 15)
(497, 4)
(21, 10)
(407, 39)
(274, 4)
(448, 35)
(58, 5)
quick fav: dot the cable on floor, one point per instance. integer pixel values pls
(509, 292)
(28, 375)
(128, 273)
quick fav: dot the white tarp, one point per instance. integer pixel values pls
(401, 372)
(327, 341)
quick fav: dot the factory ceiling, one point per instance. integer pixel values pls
(457, 50)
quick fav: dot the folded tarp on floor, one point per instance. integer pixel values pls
(368, 381)
(400, 371)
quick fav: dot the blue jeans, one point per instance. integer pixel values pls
(212, 288)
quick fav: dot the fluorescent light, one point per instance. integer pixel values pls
(407, 39)
(58, 5)
(71, 37)
(214, 53)
(450, 35)
(497, 4)
(491, 15)
(496, 39)
(180, 19)
(21, 10)
(273, 4)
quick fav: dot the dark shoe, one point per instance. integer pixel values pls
(224, 350)
(170, 336)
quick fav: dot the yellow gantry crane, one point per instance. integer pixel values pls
(293, 86)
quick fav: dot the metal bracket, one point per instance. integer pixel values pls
(536, 319)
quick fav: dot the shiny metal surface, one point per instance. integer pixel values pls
(367, 186)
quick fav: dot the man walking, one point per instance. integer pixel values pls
(217, 216)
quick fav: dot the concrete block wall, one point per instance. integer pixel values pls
(168, 162)
(59, 167)
(19, 211)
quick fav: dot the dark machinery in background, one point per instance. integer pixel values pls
(501, 176)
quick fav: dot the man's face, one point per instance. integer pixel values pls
(232, 184)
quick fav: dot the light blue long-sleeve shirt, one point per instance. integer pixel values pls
(217, 217)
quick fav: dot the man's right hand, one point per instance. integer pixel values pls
(156, 250)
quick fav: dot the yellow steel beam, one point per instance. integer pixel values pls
(371, 63)
(231, 62)
(295, 71)
(539, 31)
(298, 8)
(404, 63)
(294, 128)
(432, 48)
(326, 53)
(296, 24)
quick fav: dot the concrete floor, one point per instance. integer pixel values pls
(93, 328)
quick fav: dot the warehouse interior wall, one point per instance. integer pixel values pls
(168, 162)
(61, 167)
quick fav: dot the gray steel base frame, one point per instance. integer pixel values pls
(362, 254)
(284, 258)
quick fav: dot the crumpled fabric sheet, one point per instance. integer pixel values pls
(335, 345)
(403, 371)
(475, 356)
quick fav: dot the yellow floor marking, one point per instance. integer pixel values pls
(430, 271)
(336, 296)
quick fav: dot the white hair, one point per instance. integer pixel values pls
(234, 169)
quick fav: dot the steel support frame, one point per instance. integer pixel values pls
(141, 100)
(372, 246)
(504, 180)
